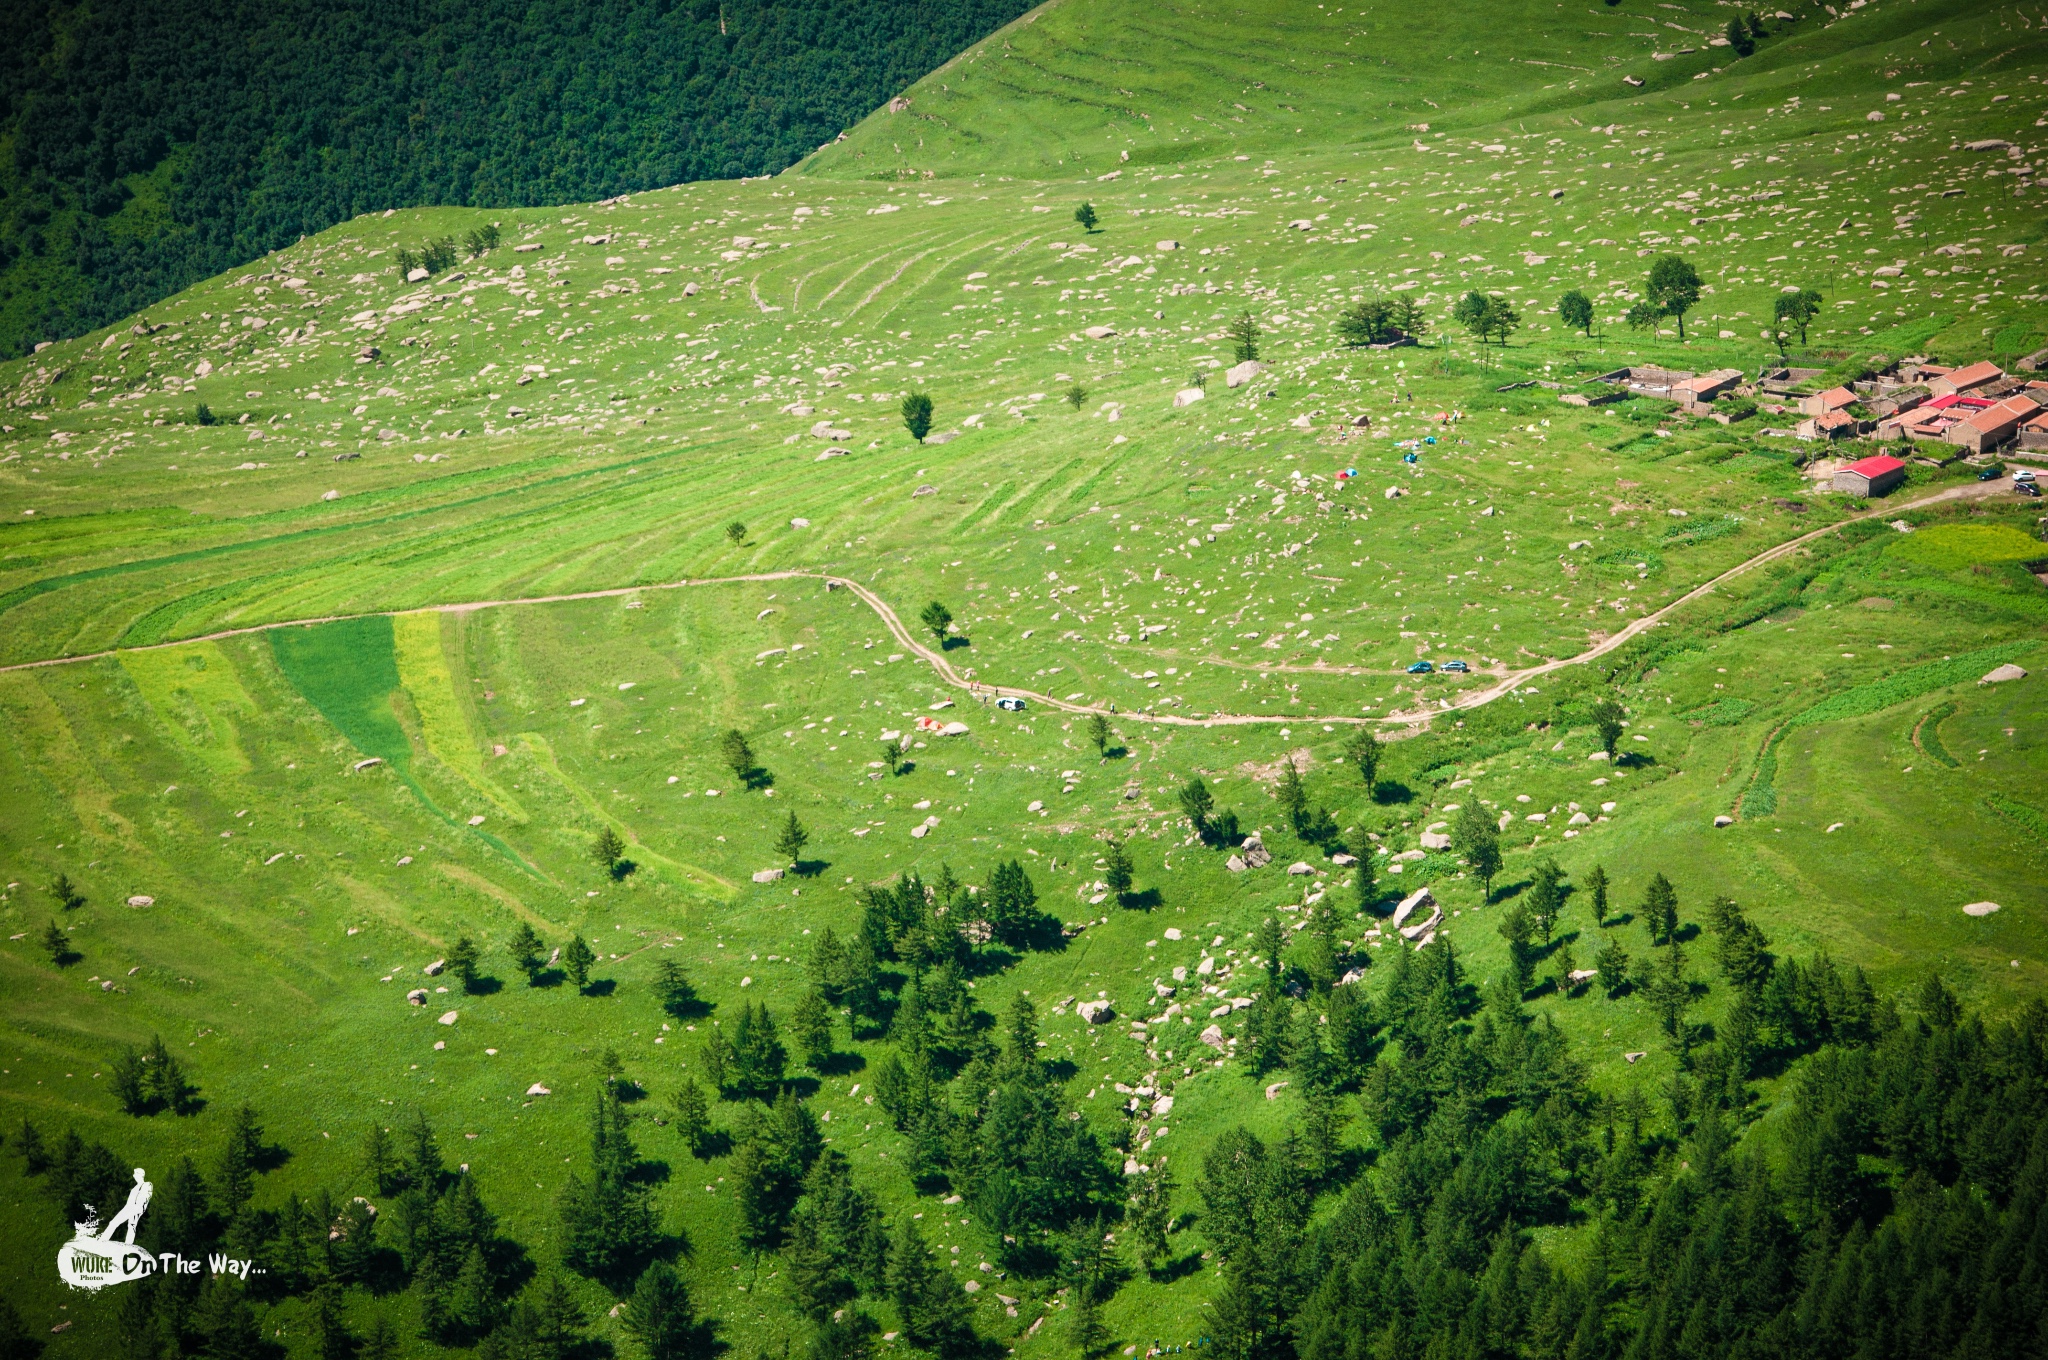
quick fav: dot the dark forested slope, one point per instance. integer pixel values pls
(150, 143)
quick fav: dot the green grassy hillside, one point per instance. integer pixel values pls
(458, 574)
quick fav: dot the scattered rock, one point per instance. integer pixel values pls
(1421, 897)
(1256, 856)
(142, 900)
(767, 875)
(1273, 1089)
(1096, 1012)
(1300, 867)
(1100, 332)
(1187, 396)
(1236, 864)
(1980, 908)
(1633, 1058)
(1435, 840)
(538, 1090)
(1237, 375)
(1724, 820)
(417, 996)
(2003, 674)
(449, 1017)
(434, 969)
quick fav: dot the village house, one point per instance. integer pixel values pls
(1932, 419)
(1871, 476)
(1694, 393)
(1833, 425)
(1821, 403)
(1965, 379)
(1994, 426)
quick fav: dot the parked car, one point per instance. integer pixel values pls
(1992, 473)
(1421, 668)
(1010, 705)
(1458, 666)
(2027, 488)
(2023, 475)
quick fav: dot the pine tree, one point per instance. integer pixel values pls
(1365, 872)
(936, 1314)
(525, 948)
(462, 962)
(1478, 841)
(1151, 1214)
(1244, 338)
(65, 893)
(379, 1163)
(1099, 734)
(693, 1117)
(660, 1316)
(57, 945)
(1117, 876)
(607, 849)
(718, 1061)
(577, 958)
(558, 1320)
(234, 1177)
(1607, 721)
(381, 1341)
(1085, 215)
(1575, 309)
(737, 755)
(1086, 1335)
(1197, 802)
(1546, 898)
(758, 1057)
(1596, 883)
(811, 1026)
(1291, 794)
(1520, 931)
(609, 1226)
(791, 839)
(1365, 750)
(673, 989)
(1660, 909)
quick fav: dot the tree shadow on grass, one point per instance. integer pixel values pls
(1503, 892)
(757, 779)
(600, 987)
(842, 1065)
(1141, 901)
(1392, 791)
(810, 868)
(483, 986)
(1179, 1268)
(622, 870)
(955, 642)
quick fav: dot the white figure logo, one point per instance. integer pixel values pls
(96, 1257)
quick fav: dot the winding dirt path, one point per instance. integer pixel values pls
(939, 662)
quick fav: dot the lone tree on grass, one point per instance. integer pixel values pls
(1365, 751)
(65, 893)
(1596, 883)
(672, 987)
(525, 947)
(1575, 309)
(462, 961)
(57, 944)
(607, 850)
(1197, 802)
(1117, 877)
(481, 240)
(917, 415)
(1478, 840)
(938, 618)
(737, 755)
(1244, 336)
(1739, 39)
(1797, 310)
(791, 839)
(577, 958)
(1674, 289)
(1607, 722)
(1076, 395)
(1085, 215)
(1099, 734)
(892, 755)
(736, 533)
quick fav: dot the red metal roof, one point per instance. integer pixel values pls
(1875, 466)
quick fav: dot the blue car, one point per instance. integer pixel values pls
(1010, 705)
(1458, 666)
(1421, 668)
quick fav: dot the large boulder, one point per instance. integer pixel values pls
(2002, 674)
(1237, 375)
(1100, 332)
(767, 875)
(1419, 898)
(1256, 855)
(1187, 396)
(1096, 1012)
(1435, 840)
